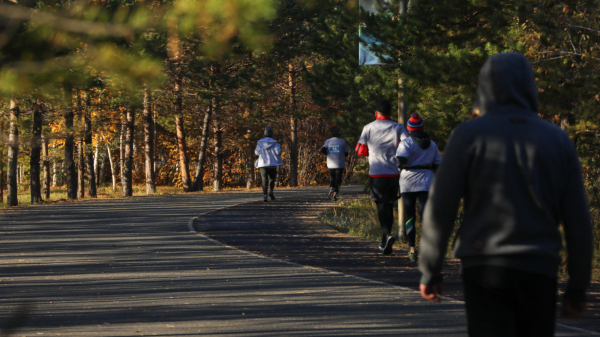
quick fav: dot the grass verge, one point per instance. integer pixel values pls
(358, 217)
(59, 194)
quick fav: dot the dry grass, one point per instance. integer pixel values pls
(359, 218)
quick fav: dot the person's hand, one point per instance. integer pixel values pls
(573, 310)
(429, 292)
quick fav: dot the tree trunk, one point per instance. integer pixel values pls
(70, 173)
(102, 169)
(127, 170)
(218, 172)
(97, 159)
(46, 168)
(184, 166)
(113, 174)
(148, 143)
(249, 161)
(218, 169)
(13, 153)
(80, 155)
(34, 159)
(54, 174)
(278, 176)
(199, 177)
(121, 153)
(89, 153)
(294, 128)
(1, 169)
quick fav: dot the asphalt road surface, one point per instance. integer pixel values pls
(131, 267)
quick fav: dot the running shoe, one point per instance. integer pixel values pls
(266, 199)
(330, 195)
(413, 257)
(335, 197)
(271, 196)
(389, 242)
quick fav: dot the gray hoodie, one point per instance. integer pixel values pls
(268, 152)
(520, 178)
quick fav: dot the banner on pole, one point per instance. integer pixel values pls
(365, 55)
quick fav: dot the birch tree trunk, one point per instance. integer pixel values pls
(34, 159)
(89, 154)
(218, 171)
(121, 150)
(113, 174)
(54, 175)
(127, 170)
(69, 163)
(148, 143)
(199, 177)
(46, 169)
(294, 128)
(13, 153)
(97, 159)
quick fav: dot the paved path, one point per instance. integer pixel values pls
(131, 267)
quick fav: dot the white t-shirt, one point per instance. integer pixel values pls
(417, 180)
(382, 138)
(336, 152)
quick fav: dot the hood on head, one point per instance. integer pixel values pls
(506, 80)
(421, 138)
(267, 143)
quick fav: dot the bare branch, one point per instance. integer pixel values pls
(14, 12)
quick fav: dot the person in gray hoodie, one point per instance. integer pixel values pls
(520, 177)
(269, 157)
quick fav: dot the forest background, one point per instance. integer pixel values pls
(109, 95)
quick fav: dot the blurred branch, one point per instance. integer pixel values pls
(13, 12)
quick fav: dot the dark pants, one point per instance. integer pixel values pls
(409, 199)
(508, 302)
(385, 192)
(385, 213)
(335, 179)
(268, 175)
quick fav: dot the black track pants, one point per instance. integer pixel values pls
(385, 212)
(409, 199)
(268, 175)
(507, 302)
(335, 179)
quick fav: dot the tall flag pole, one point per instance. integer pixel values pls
(367, 57)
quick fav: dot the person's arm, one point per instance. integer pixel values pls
(257, 150)
(578, 235)
(361, 147)
(438, 221)
(323, 149)
(362, 150)
(402, 155)
(277, 150)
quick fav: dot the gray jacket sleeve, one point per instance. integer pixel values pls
(442, 206)
(577, 226)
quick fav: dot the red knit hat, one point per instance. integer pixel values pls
(415, 123)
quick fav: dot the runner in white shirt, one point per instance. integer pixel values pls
(269, 157)
(379, 141)
(416, 156)
(336, 150)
